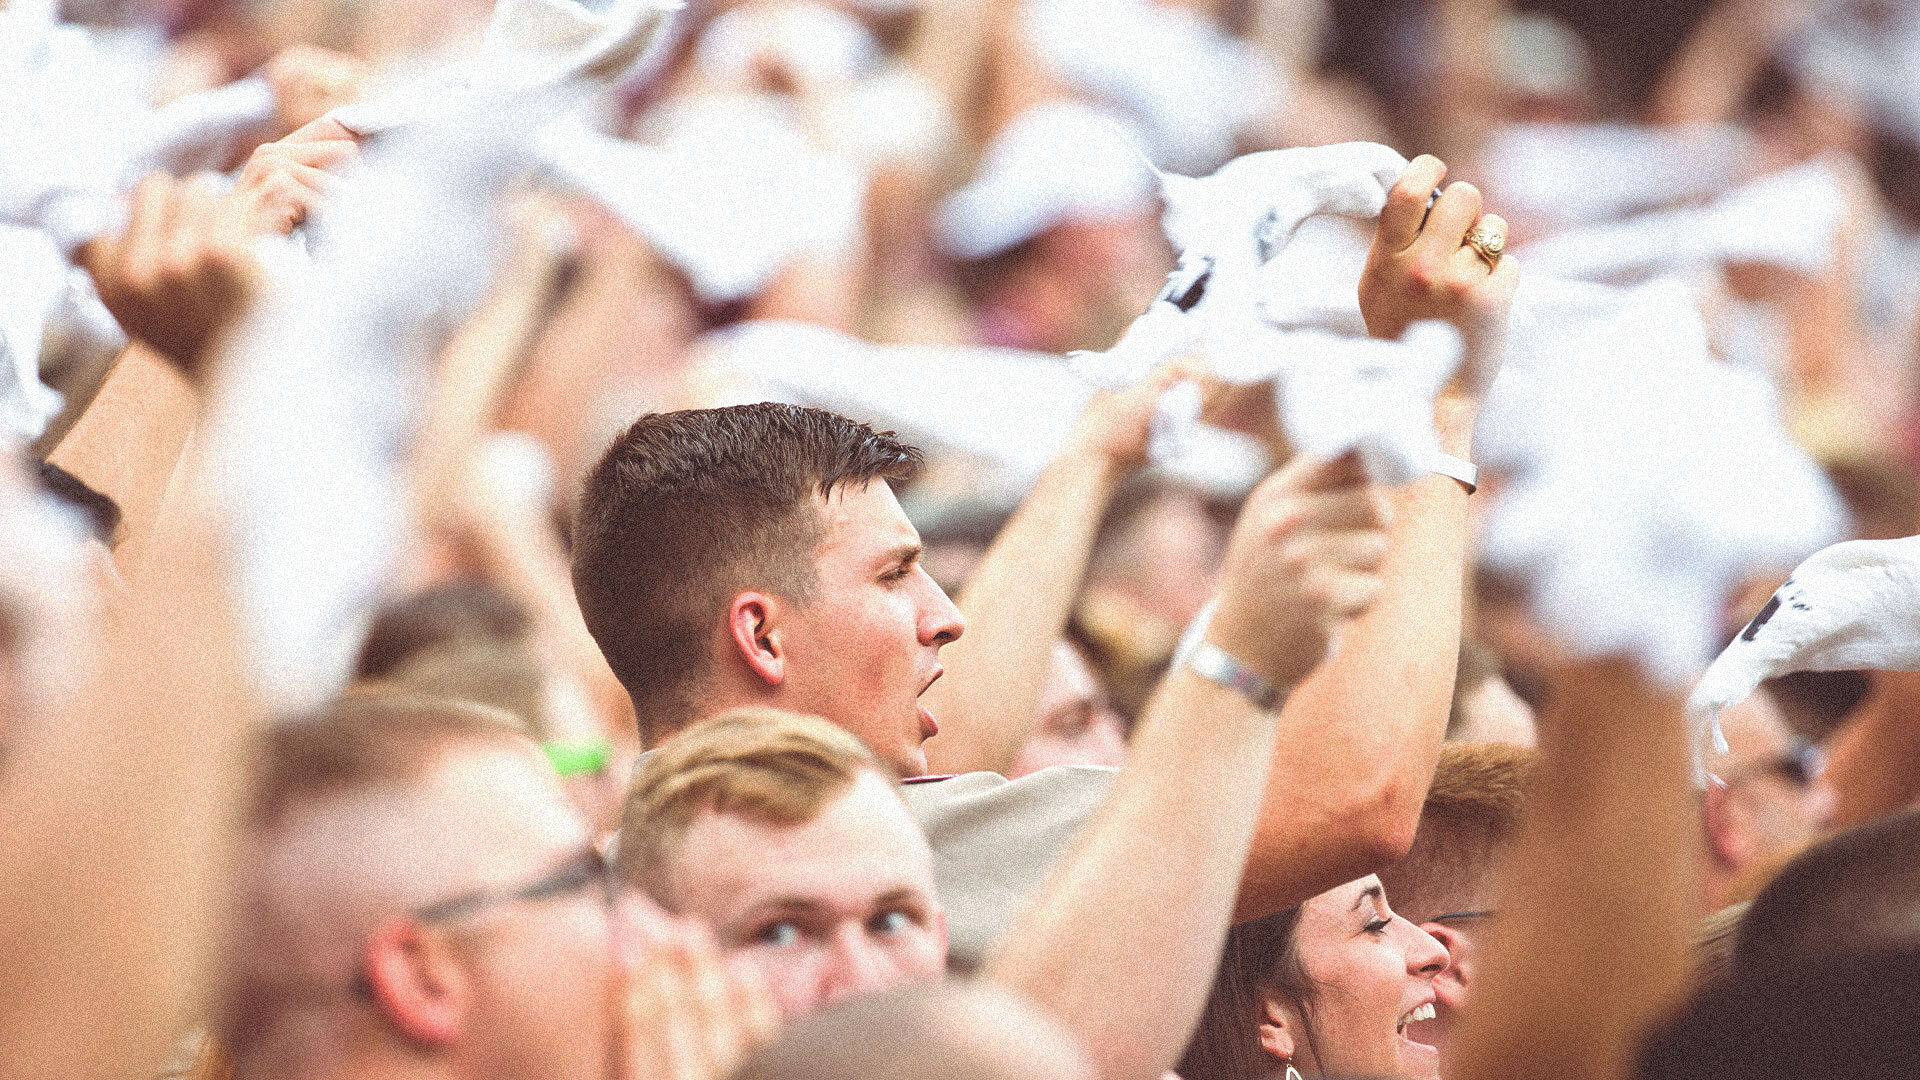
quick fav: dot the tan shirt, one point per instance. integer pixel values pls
(994, 840)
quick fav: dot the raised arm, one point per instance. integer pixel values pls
(115, 814)
(1359, 739)
(1019, 597)
(1594, 904)
(1122, 942)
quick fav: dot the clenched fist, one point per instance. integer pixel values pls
(1305, 556)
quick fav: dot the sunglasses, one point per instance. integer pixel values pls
(1799, 766)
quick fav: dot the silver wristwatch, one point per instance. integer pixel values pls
(1216, 665)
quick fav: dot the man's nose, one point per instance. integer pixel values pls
(940, 621)
(856, 965)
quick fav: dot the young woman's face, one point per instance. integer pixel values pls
(1372, 973)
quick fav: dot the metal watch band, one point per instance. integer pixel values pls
(1218, 666)
(1459, 468)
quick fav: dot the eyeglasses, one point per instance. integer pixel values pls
(585, 870)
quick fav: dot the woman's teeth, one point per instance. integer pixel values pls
(1414, 1016)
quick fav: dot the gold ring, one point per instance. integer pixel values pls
(1487, 244)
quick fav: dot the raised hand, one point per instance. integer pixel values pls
(1305, 556)
(685, 1015)
(283, 181)
(181, 272)
(1420, 267)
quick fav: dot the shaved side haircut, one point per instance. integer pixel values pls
(688, 509)
(1859, 889)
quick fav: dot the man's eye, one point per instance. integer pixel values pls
(780, 935)
(891, 922)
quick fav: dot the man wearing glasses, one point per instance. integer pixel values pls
(1769, 799)
(418, 898)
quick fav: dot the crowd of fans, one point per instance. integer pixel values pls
(960, 539)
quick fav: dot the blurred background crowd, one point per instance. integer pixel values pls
(907, 211)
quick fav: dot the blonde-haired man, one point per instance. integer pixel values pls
(790, 839)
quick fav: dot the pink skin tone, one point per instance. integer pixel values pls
(831, 908)
(867, 643)
(1077, 724)
(1370, 968)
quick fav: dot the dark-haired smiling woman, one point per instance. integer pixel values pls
(1327, 988)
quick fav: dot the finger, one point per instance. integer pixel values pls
(1358, 549)
(754, 1005)
(1407, 203)
(1349, 593)
(324, 154)
(711, 1000)
(1326, 474)
(1453, 215)
(193, 228)
(1353, 506)
(323, 129)
(148, 215)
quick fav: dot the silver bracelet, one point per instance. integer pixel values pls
(1459, 468)
(1217, 666)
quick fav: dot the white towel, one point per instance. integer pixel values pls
(1192, 87)
(1055, 162)
(1790, 219)
(1851, 607)
(556, 47)
(1006, 410)
(733, 193)
(1562, 175)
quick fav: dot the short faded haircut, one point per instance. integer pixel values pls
(1857, 889)
(688, 509)
(1471, 814)
(767, 765)
(366, 740)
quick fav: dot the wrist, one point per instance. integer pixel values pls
(1261, 646)
(1454, 414)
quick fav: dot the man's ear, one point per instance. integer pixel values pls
(750, 625)
(1721, 819)
(1279, 1027)
(417, 982)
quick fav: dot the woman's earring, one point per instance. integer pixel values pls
(1292, 1073)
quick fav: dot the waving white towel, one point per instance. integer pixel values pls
(531, 46)
(1790, 219)
(1851, 607)
(1581, 174)
(732, 194)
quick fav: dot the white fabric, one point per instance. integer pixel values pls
(1056, 162)
(732, 194)
(1852, 607)
(1645, 478)
(1559, 175)
(46, 595)
(1790, 219)
(822, 45)
(892, 117)
(531, 46)
(1191, 86)
(1005, 409)
(32, 276)
(1346, 393)
(312, 430)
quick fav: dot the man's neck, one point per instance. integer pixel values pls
(291, 1063)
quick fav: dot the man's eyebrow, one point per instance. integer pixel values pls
(898, 895)
(904, 555)
(785, 905)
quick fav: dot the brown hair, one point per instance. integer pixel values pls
(768, 765)
(1472, 811)
(1858, 889)
(686, 510)
(1261, 958)
(363, 741)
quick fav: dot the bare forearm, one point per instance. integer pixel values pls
(1594, 915)
(1359, 738)
(1017, 603)
(1122, 944)
(116, 834)
(129, 440)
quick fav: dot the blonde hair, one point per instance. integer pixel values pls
(767, 765)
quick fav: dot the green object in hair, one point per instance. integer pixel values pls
(578, 758)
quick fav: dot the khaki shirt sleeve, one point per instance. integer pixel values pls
(994, 840)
